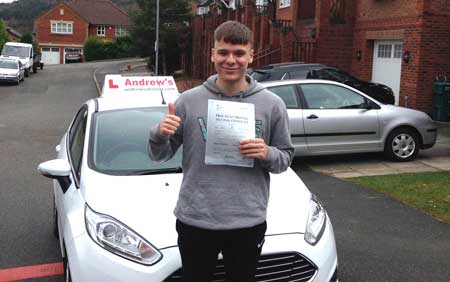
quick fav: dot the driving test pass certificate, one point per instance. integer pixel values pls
(228, 123)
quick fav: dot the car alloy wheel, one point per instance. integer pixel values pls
(402, 145)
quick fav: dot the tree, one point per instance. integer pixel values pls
(27, 38)
(174, 14)
(3, 34)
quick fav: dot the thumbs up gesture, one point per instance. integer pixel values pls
(170, 123)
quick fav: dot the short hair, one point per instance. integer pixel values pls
(233, 32)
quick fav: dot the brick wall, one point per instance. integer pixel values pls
(110, 32)
(422, 25)
(43, 27)
(334, 39)
(285, 13)
(386, 9)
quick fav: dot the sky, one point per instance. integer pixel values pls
(6, 1)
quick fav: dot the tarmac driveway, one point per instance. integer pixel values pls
(378, 238)
(436, 158)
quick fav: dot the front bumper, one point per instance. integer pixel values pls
(8, 78)
(90, 262)
(429, 136)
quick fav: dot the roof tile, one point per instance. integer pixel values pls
(100, 12)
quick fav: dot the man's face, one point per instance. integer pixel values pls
(231, 60)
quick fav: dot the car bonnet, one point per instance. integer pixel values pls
(146, 203)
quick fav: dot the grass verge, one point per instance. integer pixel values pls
(429, 191)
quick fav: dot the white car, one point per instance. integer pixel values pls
(113, 206)
(11, 71)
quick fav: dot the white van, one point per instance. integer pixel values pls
(24, 53)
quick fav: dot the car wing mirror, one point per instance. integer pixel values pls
(58, 169)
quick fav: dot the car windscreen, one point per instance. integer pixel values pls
(17, 51)
(119, 142)
(8, 65)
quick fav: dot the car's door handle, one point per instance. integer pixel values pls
(312, 116)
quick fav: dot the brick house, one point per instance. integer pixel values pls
(400, 43)
(67, 26)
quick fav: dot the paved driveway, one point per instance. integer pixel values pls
(436, 158)
(378, 238)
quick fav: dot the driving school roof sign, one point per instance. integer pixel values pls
(118, 85)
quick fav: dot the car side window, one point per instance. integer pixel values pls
(328, 96)
(76, 140)
(287, 94)
(299, 74)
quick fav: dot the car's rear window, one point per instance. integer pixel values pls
(119, 142)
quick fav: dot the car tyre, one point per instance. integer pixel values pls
(27, 72)
(55, 220)
(402, 145)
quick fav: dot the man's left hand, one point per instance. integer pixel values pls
(254, 148)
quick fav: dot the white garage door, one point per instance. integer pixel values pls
(387, 64)
(50, 56)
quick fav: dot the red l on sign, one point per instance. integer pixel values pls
(112, 85)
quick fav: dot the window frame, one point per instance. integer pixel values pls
(296, 93)
(306, 104)
(121, 31)
(284, 4)
(101, 30)
(80, 119)
(61, 27)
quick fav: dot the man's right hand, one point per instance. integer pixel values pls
(170, 123)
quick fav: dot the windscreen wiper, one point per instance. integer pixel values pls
(156, 171)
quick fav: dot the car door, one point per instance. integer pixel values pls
(73, 153)
(289, 95)
(335, 120)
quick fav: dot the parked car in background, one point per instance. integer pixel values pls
(283, 71)
(328, 117)
(11, 71)
(25, 53)
(113, 205)
(73, 56)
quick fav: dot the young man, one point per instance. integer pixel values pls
(222, 208)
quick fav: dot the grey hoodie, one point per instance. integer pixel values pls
(222, 197)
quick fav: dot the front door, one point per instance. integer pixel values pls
(387, 64)
(336, 122)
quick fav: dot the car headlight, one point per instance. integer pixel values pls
(316, 221)
(119, 239)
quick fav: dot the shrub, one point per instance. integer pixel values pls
(97, 49)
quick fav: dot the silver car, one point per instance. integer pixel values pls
(328, 117)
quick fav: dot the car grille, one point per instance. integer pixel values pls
(282, 267)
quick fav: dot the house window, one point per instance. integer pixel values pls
(203, 10)
(61, 12)
(384, 51)
(337, 11)
(120, 31)
(397, 51)
(101, 30)
(62, 27)
(262, 2)
(285, 3)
